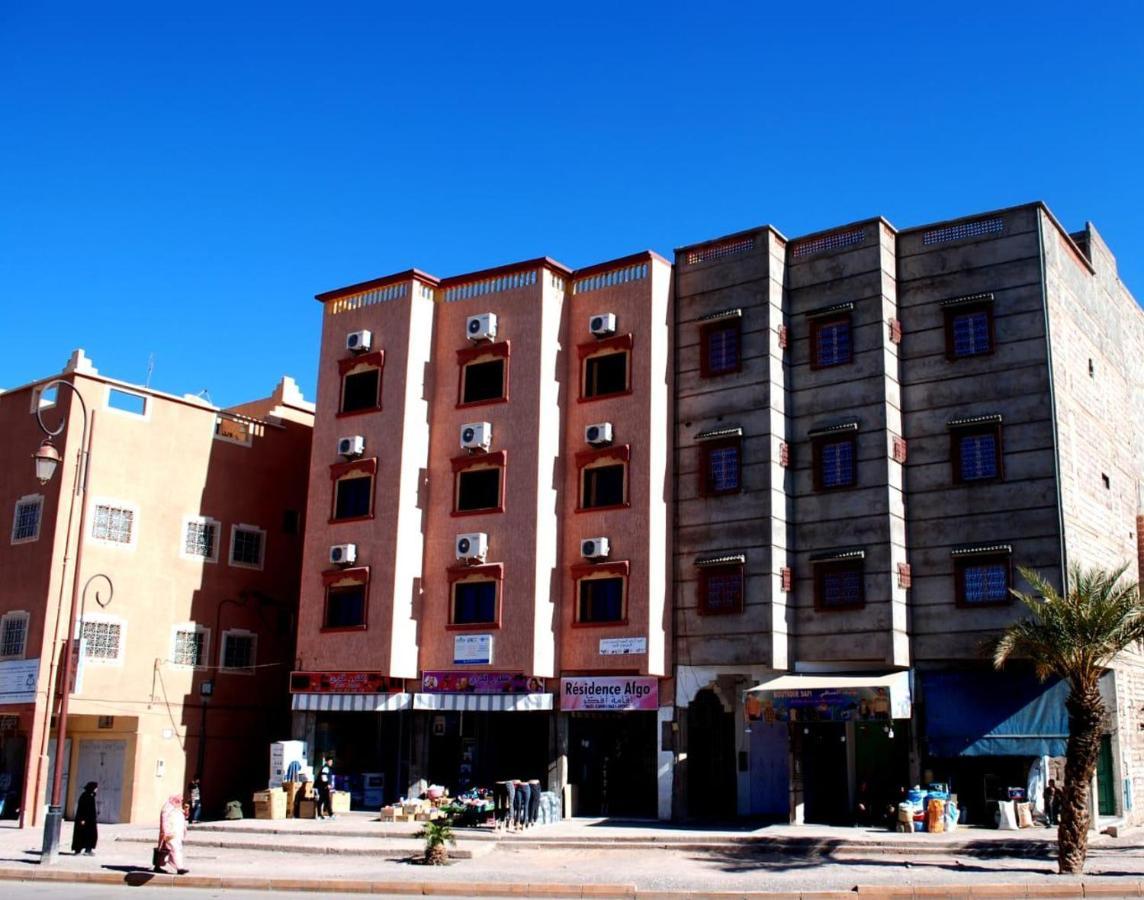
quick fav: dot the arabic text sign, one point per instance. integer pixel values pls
(609, 692)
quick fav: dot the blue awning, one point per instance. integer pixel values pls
(1006, 713)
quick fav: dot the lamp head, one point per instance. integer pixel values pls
(47, 459)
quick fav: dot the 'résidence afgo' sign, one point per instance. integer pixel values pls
(609, 692)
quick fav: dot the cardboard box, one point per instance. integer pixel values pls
(307, 809)
(269, 804)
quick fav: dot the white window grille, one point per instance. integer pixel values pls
(114, 524)
(26, 519)
(200, 539)
(102, 640)
(190, 646)
(13, 635)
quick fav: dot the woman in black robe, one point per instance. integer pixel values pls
(86, 831)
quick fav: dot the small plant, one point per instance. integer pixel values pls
(437, 834)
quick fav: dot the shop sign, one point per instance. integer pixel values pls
(622, 646)
(473, 649)
(609, 692)
(344, 683)
(18, 680)
(841, 704)
(480, 683)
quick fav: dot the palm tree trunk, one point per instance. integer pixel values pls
(1086, 720)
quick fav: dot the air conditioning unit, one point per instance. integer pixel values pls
(476, 436)
(359, 341)
(595, 548)
(343, 554)
(354, 445)
(599, 435)
(602, 325)
(482, 327)
(472, 547)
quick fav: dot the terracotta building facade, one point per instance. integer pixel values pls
(189, 550)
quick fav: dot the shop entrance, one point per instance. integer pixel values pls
(611, 758)
(13, 751)
(476, 749)
(711, 788)
(881, 766)
(366, 747)
(826, 787)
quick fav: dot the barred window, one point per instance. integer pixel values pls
(835, 462)
(189, 646)
(113, 523)
(839, 585)
(200, 539)
(26, 521)
(246, 547)
(983, 579)
(237, 650)
(13, 635)
(830, 343)
(101, 640)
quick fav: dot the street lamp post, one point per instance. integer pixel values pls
(47, 459)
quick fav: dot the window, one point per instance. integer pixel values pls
(720, 347)
(13, 635)
(474, 602)
(603, 486)
(479, 486)
(606, 374)
(838, 584)
(601, 600)
(983, 578)
(968, 330)
(345, 606)
(361, 382)
(830, 343)
(113, 523)
(976, 452)
(234, 431)
(246, 546)
(26, 518)
(484, 373)
(835, 461)
(125, 401)
(238, 650)
(102, 640)
(353, 497)
(190, 646)
(721, 589)
(720, 465)
(200, 539)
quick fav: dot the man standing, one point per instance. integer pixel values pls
(194, 799)
(325, 784)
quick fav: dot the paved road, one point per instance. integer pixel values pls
(20, 890)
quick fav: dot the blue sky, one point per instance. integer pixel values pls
(180, 179)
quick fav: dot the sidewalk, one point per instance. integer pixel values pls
(595, 858)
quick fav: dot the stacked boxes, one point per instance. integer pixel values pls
(270, 804)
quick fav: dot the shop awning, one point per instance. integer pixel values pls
(483, 702)
(350, 702)
(823, 698)
(1006, 713)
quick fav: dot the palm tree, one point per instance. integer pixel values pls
(1075, 637)
(437, 833)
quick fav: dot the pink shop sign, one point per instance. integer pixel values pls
(609, 692)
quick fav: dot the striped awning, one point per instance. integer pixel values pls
(350, 702)
(483, 702)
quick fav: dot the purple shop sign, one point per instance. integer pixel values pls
(480, 683)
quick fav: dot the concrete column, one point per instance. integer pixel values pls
(558, 763)
(664, 769)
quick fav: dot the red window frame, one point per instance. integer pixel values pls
(482, 353)
(731, 323)
(591, 571)
(590, 459)
(840, 437)
(816, 326)
(706, 481)
(469, 462)
(487, 572)
(728, 570)
(356, 468)
(963, 431)
(828, 567)
(350, 366)
(974, 560)
(586, 351)
(335, 578)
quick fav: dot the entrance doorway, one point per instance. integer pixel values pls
(103, 762)
(13, 750)
(826, 787)
(711, 788)
(476, 749)
(611, 758)
(1105, 788)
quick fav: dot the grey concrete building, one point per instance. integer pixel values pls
(874, 429)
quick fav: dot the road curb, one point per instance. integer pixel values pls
(1087, 888)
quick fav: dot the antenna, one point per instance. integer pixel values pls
(150, 369)
(206, 395)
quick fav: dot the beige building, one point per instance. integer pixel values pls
(875, 427)
(189, 554)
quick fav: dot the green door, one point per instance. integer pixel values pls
(1106, 790)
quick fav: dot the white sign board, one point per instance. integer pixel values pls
(473, 649)
(18, 680)
(622, 646)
